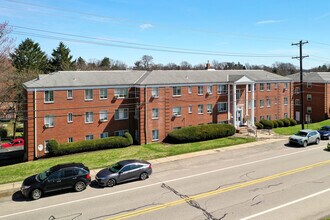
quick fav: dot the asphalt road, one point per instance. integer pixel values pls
(260, 182)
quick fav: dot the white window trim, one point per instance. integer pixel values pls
(152, 115)
(89, 135)
(190, 109)
(86, 99)
(106, 94)
(48, 125)
(45, 101)
(107, 134)
(119, 95)
(71, 117)
(152, 91)
(207, 110)
(89, 122)
(152, 133)
(102, 113)
(123, 109)
(173, 95)
(67, 94)
(225, 110)
(200, 113)
(69, 139)
(120, 132)
(176, 113)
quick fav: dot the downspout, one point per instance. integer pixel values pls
(35, 124)
(145, 115)
(326, 100)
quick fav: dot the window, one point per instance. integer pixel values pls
(276, 86)
(268, 102)
(155, 135)
(209, 89)
(154, 92)
(297, 102)
(69, 94)
(176, 111)
(200, 109)
(309, 109)
(190, 109)
(121, 114)
(285, 100)
(209, 108)
(176, 91)
(275, 101)
(285, 86)
(250, 104)
(49, 96)
(268, 86)
(255, 103)
(189, 89)
(155, 113)
(309, 85)
(120, 132)
(70, 139)
(222, 106)
(285, 115)
(269, 117)
(89, 117)
(88, 94)
(121, 93)
(104, 135)
(70, 117)
(103, 115)
(89, 137)
(46, 146)
(255, 87)
(249, 88)
(309, 97)
(222, 89)
(296, 90)
(200, 90)
(262, 87)
(238, 94)
(49, 121)
(261, 103)
(103, 93)
(262, 117)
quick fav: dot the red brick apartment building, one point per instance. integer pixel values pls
(316, 95)
(81, 105)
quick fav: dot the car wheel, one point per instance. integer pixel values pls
(143, 176)
(36, 194)
(305, 144)
(317, 141)
(79, 186)
(111, 182)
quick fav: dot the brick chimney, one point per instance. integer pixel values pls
(208, 66)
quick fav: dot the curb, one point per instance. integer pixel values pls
(10, 188)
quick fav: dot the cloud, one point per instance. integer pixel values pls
(269, 22)
(146, 26)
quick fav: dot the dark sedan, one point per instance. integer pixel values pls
(124, 171)
(325, 132)
(59, 177)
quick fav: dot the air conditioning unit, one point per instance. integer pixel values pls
(46, 125)
(175, 114)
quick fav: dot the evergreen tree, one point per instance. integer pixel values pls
(105, 64)
(80, 64)
(29, 57)
(61, 58)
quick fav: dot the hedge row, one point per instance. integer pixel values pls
(56, 149)
(268, 124)
(200, 133)
(3, 132)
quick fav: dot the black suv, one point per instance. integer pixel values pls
(62, 176)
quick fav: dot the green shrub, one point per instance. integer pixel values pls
(286, 122)
(259, 125)
(275, 123)
(129, 138)
(3, 132)
(200, 133)
(292, 122)
(267, 123)
(89, 145)
(280, 123)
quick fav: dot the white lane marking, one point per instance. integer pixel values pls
(158, 183)
(286, 204)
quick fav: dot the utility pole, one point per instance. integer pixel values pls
(300, 58)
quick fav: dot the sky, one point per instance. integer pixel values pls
(258, 32)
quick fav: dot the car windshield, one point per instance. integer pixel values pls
(115, 167)
(42, 176)
(302, 134)
(325, 129)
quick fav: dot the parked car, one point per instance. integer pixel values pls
(59, 177)
(305, 137)
(124, 171)
(325, 132)
(18, 142)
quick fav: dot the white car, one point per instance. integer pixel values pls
(305, 137)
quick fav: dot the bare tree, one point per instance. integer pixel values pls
(184, 65)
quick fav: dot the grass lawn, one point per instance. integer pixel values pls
(99, 159)
(295, 129)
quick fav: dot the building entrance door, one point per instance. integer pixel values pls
(239, 116)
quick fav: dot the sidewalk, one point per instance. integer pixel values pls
(10, 188)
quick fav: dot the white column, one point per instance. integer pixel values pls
(234, 105)
(252, 106)
(228, 103)
(246, 101)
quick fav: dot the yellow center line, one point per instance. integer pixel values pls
(218, 191)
